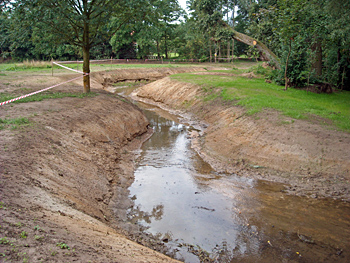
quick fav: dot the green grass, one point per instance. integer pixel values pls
(46, 67)
(45, 95)
(256, 95)
(14, 123)
(25, 66)
(98, 67)
(235, 71)
(108, 67)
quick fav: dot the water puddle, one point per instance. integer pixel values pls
(202, 216)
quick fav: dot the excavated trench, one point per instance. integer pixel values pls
(200, 215)
(71, 174)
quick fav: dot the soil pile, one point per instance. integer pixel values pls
(312, 159)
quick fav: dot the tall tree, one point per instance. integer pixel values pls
(82, 23)
(310, 37)
(166, 13)
(210, 16)
(4, 30)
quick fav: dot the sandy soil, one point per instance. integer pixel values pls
(312, 159)
(64, 177)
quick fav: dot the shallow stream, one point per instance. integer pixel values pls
(202, 216)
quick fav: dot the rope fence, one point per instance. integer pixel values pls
(54, 86)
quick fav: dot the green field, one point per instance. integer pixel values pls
(46, 66)
(252, 93)
(255, 95)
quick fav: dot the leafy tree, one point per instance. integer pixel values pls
(145, 39)
(123, 42)
(151, 30)
(191, 43)
(337, 46)
(310, 37)
(289, 23)
(209, 13)
(4, 30)
(82, 23)
(169, 11)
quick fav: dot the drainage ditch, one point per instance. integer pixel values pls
(203, 216)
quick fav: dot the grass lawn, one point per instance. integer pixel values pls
(255, 94)
(46, 66)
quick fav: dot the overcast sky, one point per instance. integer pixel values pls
(182, 3)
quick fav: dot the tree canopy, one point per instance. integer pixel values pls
(308, 41)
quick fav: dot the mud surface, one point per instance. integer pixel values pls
(65, 177)
(311, 158)
(205, 216)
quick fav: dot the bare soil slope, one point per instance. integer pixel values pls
(311, 158)
(65, 175)
(139, 74)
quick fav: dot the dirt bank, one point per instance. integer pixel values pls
(107, 79)
(64, 175)
(311, 158)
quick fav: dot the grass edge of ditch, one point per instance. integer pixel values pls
(45, 95)
(255, 95)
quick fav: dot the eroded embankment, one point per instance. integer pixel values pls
(312, 159)
(64, 176)
(140, 74)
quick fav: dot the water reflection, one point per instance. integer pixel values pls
(206, 217)
(137, 215)
(172, 177)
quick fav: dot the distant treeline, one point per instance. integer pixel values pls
(311, 38)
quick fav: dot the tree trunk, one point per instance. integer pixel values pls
(233, 27)
(228, 51)
(285, 71)
(266, 53)
(166, 50)
(210, 52)
(317, 65)
(233, 49)
(158, 52)
(166, 47)
(86, 58)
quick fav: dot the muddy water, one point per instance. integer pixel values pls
(203, 216)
